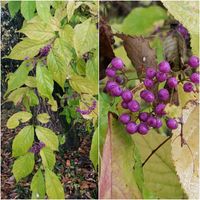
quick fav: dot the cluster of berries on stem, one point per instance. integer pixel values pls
(152, 97)
(89, 110)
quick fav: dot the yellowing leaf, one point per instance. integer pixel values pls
(23, 141)
(23, 166)
(15, 119)
(38, 186)
(54, 105)
(67, 34)
(31, 82)
(48, 158)
(186, 158)
(26, 48)
(58, 60)
(71, 6)
(38, 30)
(48, 137)
(43, 118)
(117, 179)
(43, 10)
(85, 37)
(83, 85)
(173, 111)
(53, 186)
(44, 81)
(18, 78)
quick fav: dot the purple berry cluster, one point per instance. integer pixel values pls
(157, 99)
(45, 50)
(183, 31)
(89, 110)
(37, 147)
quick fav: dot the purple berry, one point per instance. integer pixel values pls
(188, 87)
(172, 82)
(147, 96)
(143, 128)
(117, 63)
(131, 127)
(151, 121)
(110, 85)
(164, 67)
(193, 61)
(124, 118)
(143, 116)
(158, 123)
(161, 77)
(148, 83)
(134, 106)
(110, 72)
(172, 124)
(195, 78)
(124, 105)
(183, 31)
(116, 91)
(150, 72)
(127, 95)
(160, 109)
(163, 94)
(119, 80)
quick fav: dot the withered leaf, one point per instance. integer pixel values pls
(139, 52)
(106, 51)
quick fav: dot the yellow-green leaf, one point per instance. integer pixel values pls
(43, 10)
(83, 85)
(48, 158)
(43, 118)
(15, 119)
(31, 82)
(23, 166)
(71, 6)
(85, 37)
(26, 48)
(28, 9)
(38, 186)
(54, 187)
(67, 33)
(23, 141)
(48, 137)
(94, 149)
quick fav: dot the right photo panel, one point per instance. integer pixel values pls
(148, 94)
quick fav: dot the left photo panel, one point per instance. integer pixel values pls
(49, 99)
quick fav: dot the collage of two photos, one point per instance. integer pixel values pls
(99, 99)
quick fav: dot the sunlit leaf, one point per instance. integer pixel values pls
(43, 10)
(54, 188)
(28, 9)
(18, 117)
(48, 137)
(48, 158)
(38, 186)
(23, 166)
(43, 118)
(23, 141)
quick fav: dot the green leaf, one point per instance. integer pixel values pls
(14, 120)
(58, 60)
(28, 9)
(48, 137)
(38, 186)
(71, 6)
(158, 46)
(43, 10)
(26, 48)
(187, 13)
(48, 158)
(92, 69)
(44, 81)
(38, 30)
(160, 176)
(141, 21)
(23, 166)
(53, 186)
(83, 85)
(31, 82)
(94, 149)
(30, 98)
(117, 179)
(43, 118)
(85, 37)
(18, 78)
(23, 141)
(14, 7)
(17, 95)
(67, 33)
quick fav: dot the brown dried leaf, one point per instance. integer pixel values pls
(139, 52)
